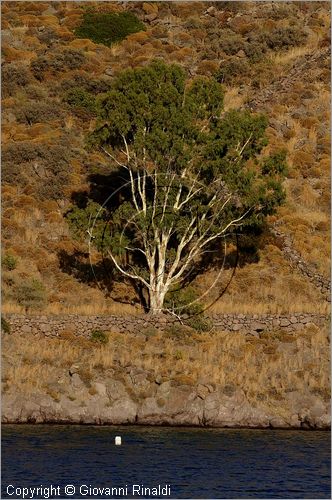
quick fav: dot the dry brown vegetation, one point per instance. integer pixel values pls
(265, 368)
(270, 56)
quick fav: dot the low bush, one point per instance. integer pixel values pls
(80, 98)
(84, 82)
(13, 76)
(284, 37)
(150, 331)
(30, 294)
(99, 336)
(183, 301)
(9, 262)
(200, 323)
(27, 162)
(57, 62)
(108, 27)
(231, 42)
(233, 71)
(38, 112)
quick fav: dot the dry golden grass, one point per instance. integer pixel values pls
(56, 308)
(233, 99)
(270, 365)
(280, 58)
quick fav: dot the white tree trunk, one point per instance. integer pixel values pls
(156, 301)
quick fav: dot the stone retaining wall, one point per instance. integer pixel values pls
(53, 326)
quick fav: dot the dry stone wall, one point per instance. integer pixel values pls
(319, 281)
(54, 326)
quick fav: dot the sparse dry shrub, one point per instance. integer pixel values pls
(207, 68)
(182, 54)
(29, 293)
(27, 161)
(302, 161)
(233, 71)
(140, 61)
(186, 9)
(47, 35)
(183, 38)
(141, 37)
(193, 23)
(230, 42)
(14, 76)
(38, 112)
(242, 25)
(284, 37)
(57, 61)
(83, 80)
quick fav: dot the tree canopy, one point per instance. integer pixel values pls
(191, 174)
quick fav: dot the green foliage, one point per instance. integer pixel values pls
(30, 294)
(108, 27)
(99, 336)
(175, 135)
(9, 262)
(183, 301)
(155, 99)
(5, 326)
(90, 218)
(200, 323)
(80, 98)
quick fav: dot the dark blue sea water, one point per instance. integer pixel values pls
(195, 463)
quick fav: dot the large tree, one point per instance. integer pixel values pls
(192, 174)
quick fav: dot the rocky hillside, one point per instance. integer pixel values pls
(270, 57)
(273, 379)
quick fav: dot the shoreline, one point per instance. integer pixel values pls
(163, 426)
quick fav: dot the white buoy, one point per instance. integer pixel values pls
(118, 440)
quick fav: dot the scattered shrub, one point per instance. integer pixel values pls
(183, 301)
(38, 112)
(84, 82)
(254, 49)
(5, 326)
(99, 336)
(9, 262)
(230, 6)
(36, 91)
(47, 35)
(233, 70)
(57, 62)
(27, 161)
(30, 294)
(231, 43)
(108, 27)
(80, 98)
(13, 76)
(200, 323)
(151, 331)
(284, 37)
(176, 331)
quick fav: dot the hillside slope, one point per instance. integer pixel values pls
(271, 57)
